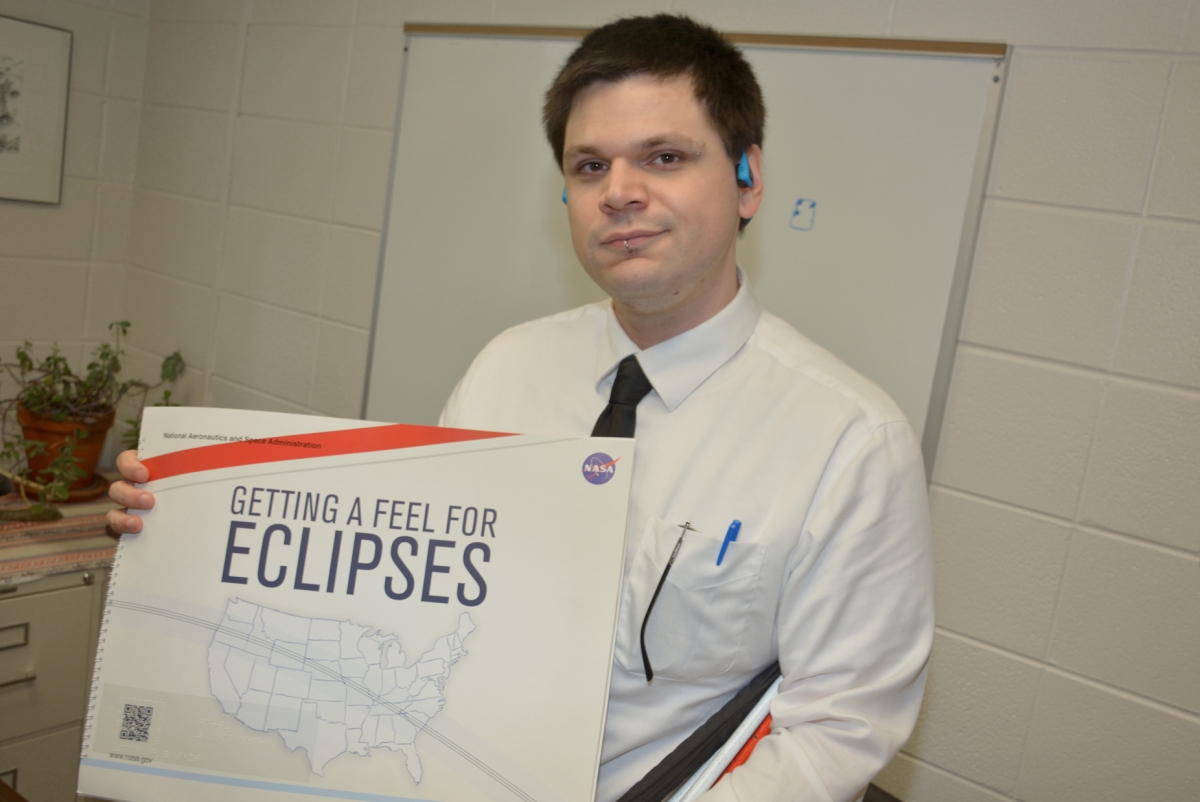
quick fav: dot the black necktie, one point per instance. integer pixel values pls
(619, 418)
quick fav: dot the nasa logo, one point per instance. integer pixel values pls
(599, 468)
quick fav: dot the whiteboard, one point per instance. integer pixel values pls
(874, 163)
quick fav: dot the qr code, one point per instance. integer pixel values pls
(136, 724)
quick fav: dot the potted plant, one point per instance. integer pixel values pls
(53, 428)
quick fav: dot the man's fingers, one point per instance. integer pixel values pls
(127, 495)
(123, 523)
(131, 468)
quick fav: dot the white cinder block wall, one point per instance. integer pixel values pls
(62, 268)
(1065, 496)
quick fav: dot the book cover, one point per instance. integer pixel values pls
(350, 610)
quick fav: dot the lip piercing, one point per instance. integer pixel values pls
(627, 248)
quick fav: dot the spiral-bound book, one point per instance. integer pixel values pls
(347, 610)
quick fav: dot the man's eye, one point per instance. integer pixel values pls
(666, 159)
(590, 167)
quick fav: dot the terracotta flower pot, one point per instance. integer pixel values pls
(54, 434)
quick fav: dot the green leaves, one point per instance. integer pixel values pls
(172, 369)
(24, 359)
(62, 469)
(50, 389)
(134, 433)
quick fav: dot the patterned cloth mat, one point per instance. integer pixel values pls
(78, 542)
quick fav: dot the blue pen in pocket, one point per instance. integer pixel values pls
(730, 536)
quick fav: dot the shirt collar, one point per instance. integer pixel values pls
(679, 365)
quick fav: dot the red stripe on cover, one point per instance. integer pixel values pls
(307, 446)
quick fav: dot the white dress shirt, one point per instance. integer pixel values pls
(831, 573)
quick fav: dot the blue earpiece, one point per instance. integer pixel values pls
(564, 194)
(743, 171)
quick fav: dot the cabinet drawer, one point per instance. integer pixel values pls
(46, 767)
(45, 640)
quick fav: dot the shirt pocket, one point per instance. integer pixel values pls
(698, 624)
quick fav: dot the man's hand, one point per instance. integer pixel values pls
(129, 496)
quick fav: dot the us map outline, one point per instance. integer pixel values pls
(328, 686)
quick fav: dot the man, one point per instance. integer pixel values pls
(738, 418)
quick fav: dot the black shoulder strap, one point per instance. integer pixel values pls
(687, 758)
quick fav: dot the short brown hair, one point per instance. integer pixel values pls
(663, 46)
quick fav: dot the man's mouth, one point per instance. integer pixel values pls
(631, 240)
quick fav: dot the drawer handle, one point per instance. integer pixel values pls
(21, 681)
(14, 636)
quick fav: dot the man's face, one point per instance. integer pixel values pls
(653, 201)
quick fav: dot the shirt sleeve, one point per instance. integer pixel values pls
(450, 410)
(854, 631)
(453, 410)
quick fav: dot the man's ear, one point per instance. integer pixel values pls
(750, 197)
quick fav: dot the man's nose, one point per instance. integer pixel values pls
(625, 186)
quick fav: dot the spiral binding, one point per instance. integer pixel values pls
(94, 692)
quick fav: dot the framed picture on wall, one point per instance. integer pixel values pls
(35, 70)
